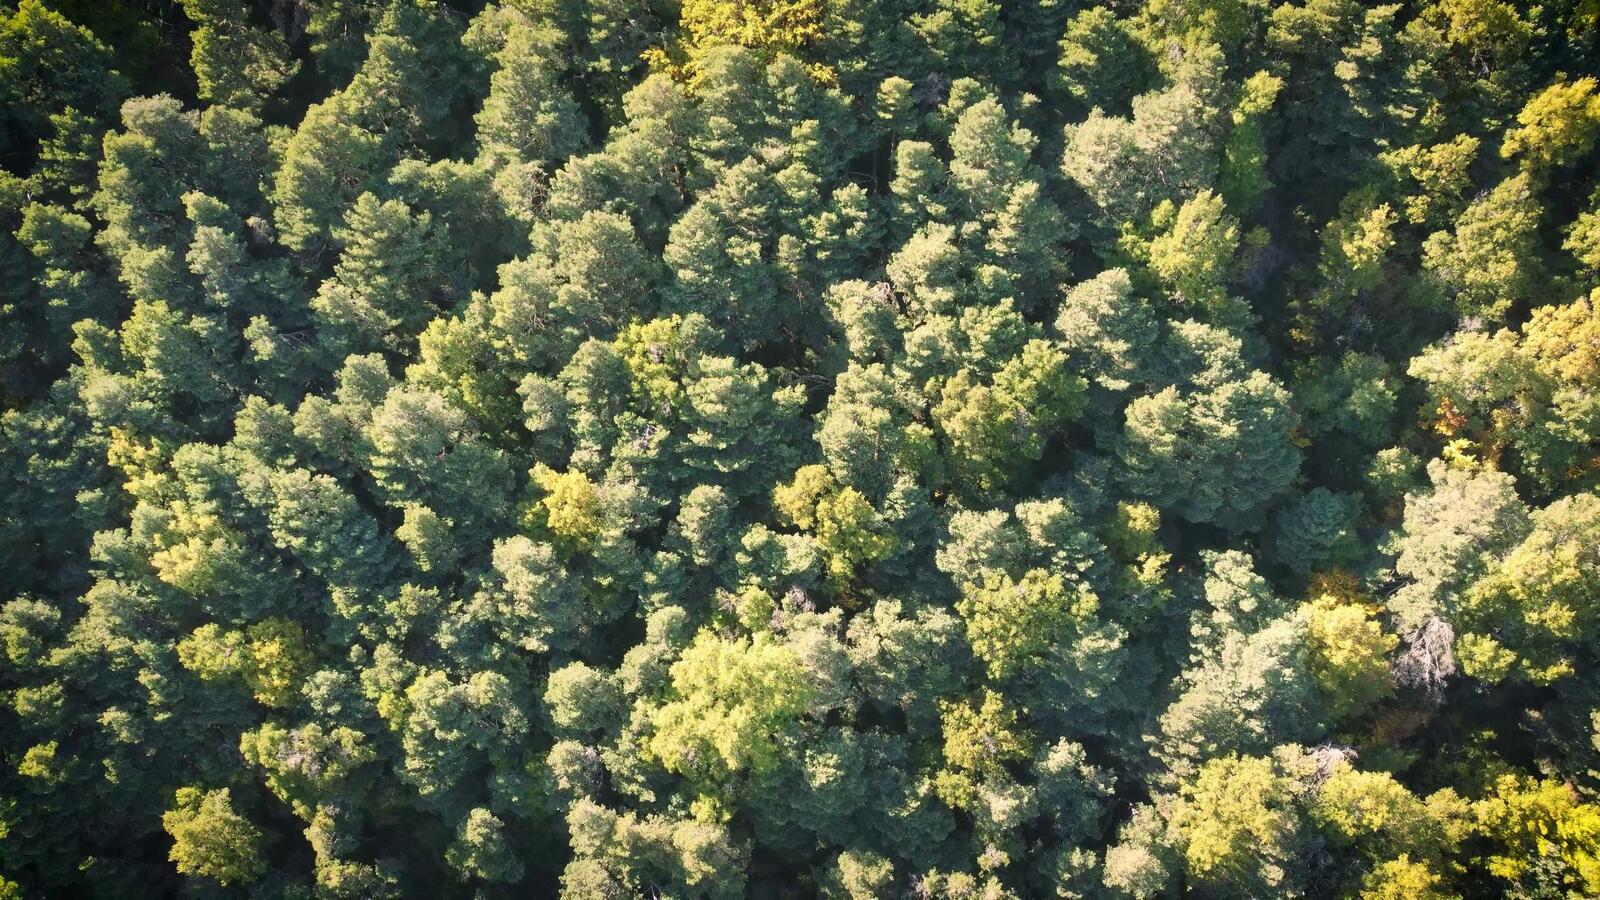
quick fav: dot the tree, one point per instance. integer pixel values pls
(990, 171)
(1347, 654)
(1538, 600)
(848, 530)
(1316, 530)
(429, 537)
(1194, 257)
(1215, 455)
(730, 701)
(790, 26)
(966, 37)
(48, 64)
(211, 840)
(384, 287)
(236, 63)
(270, 657)
(1013, 625)
(314, 518)
(1403, 877)
(981, 737)
(1243, 180)
(1436, 176)
(1256, 692)
(1108, 329)
(907, 659)
(307, 764)
(1491, 261)
(144, 172)
(325, 165)
(582, 700)
(1103, 65)
(481, 851)
(424, 450)
(1377, 815)
(995, 430)
(538, 606)
(1519, 392)
(1353, 396)
(1452, 535)
(859, 875)
(737, 281)
(1237, 826)
(414, 70)
(1071, 789)
(71, 285)
(450, 727)
(1534, 824)
(584, 278)
(1557, 127)
(1166, 150)
(529, 118)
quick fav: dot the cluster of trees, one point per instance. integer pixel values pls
(867, 448)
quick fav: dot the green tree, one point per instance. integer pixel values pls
(415, 68)
(1166, 150)
(996, 430)
(1539, 823)
(1013, 625)
(1317, 530)
(236, 63)
(1557, 127)
(1255, 693)
(1538, 601)
(1214, 455)
(1491, 262)
(211, 840)
(1102, 65)
(481, 851)
(981, 737)
(1238, 828)
(307, 764)
(1452, 535)
(48, 64)
(529, 117)
(1195, 256)
(849, 531)
(385, 286)
(1347, 654)
(730, 702)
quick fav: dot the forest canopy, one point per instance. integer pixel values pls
(782, 448)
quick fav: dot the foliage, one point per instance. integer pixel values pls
(733, 698)
(210, 839)
(776, 448)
